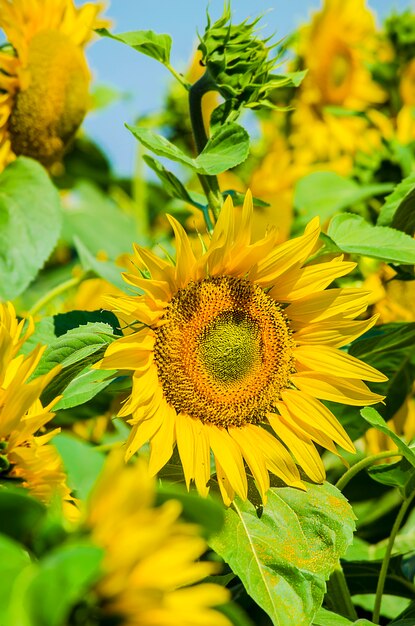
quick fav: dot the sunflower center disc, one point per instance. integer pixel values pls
(230, 346)
(224, 351)
(51, 106)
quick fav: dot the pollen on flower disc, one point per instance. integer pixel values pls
(53, 98)
(224, 351)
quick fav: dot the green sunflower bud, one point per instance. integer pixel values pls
(239, 63)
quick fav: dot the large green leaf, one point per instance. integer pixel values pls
(326, 193)
(285, 557)
(74, 350)
(402, 197)
(391, 350)
(30, 224)
(352, 234)
(82, 463)
(146, 41)
(400, 475)
(13, 560)
(56, 585)
(84, 387)
(228, 147)
(20, 514)
(98, 222)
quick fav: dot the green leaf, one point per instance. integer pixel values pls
(75, 350)
(403, 194)
(352, 234)
(228, 147)
(400, 475)
(63, 322)
(376, 421)
(389, 348)
(235, 614)
(362, 577)
(90, 215)
(30, 224)
(326, 193)
(171, 183)
(82, 462)
(13, 560)
(145, 41)
(61, 581)
(20, 514)
(103, 269)
(284, 557)
(203, 511)
(84, 387)
(327, 618)
(44, 334)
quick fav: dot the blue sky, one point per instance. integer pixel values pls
(145, 81)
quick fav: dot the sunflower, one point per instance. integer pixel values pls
(24, 456)
(233, 352)
(336, 49)
(44, 77)
(150, 573)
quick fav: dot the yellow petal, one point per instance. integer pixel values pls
(342, 390)
(162, 442)
(309, 409)
(327, 360)
(334, 334)
(186, 445)
(185, 259)
(303, 282)
(300, 446)
(229, 455)
(253, 457)
(286, 255)
(346, 303)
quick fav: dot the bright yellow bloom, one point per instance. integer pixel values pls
(337, 47)
(150, 567)
(44, 77)
(25, 456)
(238, 343)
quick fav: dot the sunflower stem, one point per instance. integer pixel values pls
(56, 291)
(363, 464)
(386, 559)
(209, 184)
(338, 595)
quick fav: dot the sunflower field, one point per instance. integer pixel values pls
(207, 368)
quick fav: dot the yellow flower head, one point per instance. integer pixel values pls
(24, 456)
(238, 343)
(44, 77)
(336, 48)
(151, 568)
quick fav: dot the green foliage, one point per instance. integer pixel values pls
(352, 234)
(45, 594)
(284, 557)
(324, 194)
(376, 421)
(13, 560)
(145, 41)
(75, 350)
(30, 224)
(228, 147)
(401, 195)
(82, 463)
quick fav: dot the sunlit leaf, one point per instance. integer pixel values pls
(30, 224)
(285, 557)
(145, 41)
(352, 234)
(82, 462)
